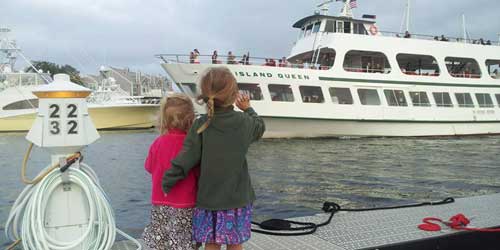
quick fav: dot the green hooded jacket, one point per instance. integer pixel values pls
(220, 151)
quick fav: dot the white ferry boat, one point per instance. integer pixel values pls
(109, 108)
(346, 77)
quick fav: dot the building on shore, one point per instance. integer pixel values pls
(134, 83)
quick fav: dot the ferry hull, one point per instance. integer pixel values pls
(104, 118)
(277, 127)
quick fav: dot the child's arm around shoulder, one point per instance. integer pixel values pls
(187, 158)
(257, 126)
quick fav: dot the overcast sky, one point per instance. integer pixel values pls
(127, 33)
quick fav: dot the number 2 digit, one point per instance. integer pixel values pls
(73, 125)
(55, 111)
(72, 112)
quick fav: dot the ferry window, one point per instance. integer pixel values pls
(302, 32)
(308, 30)
(484, 100)
(252, 90)
(493, 68)
(420, 99)
(316, 27)
(498, 99)
(464, 100)
(281, 93)
(359, 28)
(189, 88)
(341, 95)
(366, 62)
(347, 27)
(368, 96)
(326, 58)
(395, 97)
(311, 94)
(330, 26)
(24, 104)
(442, 99)
(340, 27)
(422, 65)
(463, 67)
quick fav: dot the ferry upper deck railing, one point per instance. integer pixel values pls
(239, 60)
(442, 38)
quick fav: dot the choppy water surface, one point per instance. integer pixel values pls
(291, 177)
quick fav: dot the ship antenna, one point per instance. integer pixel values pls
(324, 8)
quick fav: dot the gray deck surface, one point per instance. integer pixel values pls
(360, 230)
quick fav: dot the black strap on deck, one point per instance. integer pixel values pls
(280, 227)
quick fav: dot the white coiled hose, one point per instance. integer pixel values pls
(26, 218)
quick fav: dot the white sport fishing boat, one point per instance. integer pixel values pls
(346, 77)
(108, 106)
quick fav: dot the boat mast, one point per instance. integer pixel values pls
(346, 10)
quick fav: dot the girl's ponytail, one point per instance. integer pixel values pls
(218, 89)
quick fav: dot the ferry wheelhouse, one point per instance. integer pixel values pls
(346, 77)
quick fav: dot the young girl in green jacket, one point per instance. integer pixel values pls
(219, 141)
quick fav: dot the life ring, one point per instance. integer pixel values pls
(373, 30)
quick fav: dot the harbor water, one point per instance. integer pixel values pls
(291, 177)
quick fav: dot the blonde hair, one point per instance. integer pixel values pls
(218, 89)
(176, 112)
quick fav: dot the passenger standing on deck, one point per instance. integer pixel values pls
(244, 59)
(191, 57)
(231, 59)
(247, 59)
(196, 55)
(171, 216)
(219, 142)
(214, 57)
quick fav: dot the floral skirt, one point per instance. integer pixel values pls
(170, 228)
(224, 227)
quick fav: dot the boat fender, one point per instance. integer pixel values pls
(275, 224)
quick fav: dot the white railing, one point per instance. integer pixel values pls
(226, 60)
(441, 38)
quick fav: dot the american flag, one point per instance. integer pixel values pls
(353, 4)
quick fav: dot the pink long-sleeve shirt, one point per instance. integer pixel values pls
(162, 151)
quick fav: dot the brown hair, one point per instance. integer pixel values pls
(176, 112)
(218, 89)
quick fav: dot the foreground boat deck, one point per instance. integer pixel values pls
(391, 229)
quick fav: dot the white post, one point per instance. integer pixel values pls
(464, 28)
(408, 8)
(498, 39)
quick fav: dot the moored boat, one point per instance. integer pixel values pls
(108, 107)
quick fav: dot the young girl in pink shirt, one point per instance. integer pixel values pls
(171, 215)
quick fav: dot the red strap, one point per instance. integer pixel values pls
(429, 226)
(458, 222)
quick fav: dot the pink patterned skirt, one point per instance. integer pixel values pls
(224, 227)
